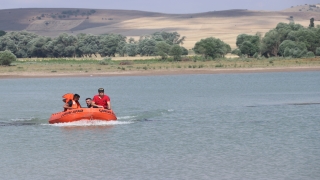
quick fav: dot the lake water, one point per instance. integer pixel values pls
(220, 126)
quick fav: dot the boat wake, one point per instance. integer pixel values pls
(16, 124)
(20, 122)
(90, 123)
(146, 115)
(23, 119)
(127, 118)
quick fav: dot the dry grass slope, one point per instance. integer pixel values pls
(226, 25)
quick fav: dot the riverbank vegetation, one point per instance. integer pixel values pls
(61, 65)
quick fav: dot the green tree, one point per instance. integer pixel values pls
(211, 47)
(63, 46)
(248, 44)
(176, 52)
(147, 46)
(111, 44)
(121, 48)
(308, 36)
(249, 48)
(254, 39)
(36, 47)
(17, 42)
(6, 58)
(131, 40)
(169, 37)
(284, 29)
(226, 49)
(311, 25)
(162, 49)
(131, 49)
(184, 51)
(270, 43)
(291, 45)
(295, 52)
(87, 45)
(2, 33)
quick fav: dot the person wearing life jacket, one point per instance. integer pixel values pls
(72, 103)
(101, 100)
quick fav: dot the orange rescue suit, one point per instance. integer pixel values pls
(75, 105)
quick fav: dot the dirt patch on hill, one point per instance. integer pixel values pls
(53, 25)
(87, 24)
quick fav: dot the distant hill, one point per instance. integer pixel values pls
(226, 25)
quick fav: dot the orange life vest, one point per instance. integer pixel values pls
(66, 98)
(75, 105)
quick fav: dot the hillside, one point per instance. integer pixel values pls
(226, 25)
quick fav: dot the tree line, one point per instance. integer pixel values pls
(24, 44)
(286, 40)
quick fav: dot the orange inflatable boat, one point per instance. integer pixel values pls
(83, 114)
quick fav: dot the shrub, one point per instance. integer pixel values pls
(236, 52)
(256, 55)
(7, 57)
(212, 47)
(184, 51)
(310, 54)
(318, 51)
(126, 63)
(176, 52)
(103, 63)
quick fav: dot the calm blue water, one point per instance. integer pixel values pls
(222, 126)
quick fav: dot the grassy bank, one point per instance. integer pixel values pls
(51, 66)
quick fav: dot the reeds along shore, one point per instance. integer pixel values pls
(107, 67)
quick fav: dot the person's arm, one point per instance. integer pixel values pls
(94, 105)
(109, 105)
(68, 105)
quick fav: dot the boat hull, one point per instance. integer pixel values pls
(83, 114)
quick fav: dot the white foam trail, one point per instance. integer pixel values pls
(22, 119)
(90, 123)
(170, 110)
(126, 117)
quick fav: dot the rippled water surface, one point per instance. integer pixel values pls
(226, 126)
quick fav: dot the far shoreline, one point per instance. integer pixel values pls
(17, 75)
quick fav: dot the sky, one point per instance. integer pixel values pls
(163, 6)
